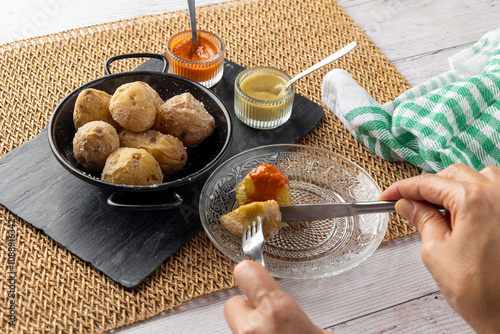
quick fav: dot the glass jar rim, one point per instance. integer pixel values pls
(290, 92)
(218, 55)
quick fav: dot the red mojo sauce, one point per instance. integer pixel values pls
(186, 50)
(268, 179)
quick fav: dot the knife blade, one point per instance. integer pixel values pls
(310, 212)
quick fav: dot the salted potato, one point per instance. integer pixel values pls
(186, 118)
(237, 221)
(132, 166)
(134, 106)
(93, 143)
(265, 182)
(166, 149)
(93, 105)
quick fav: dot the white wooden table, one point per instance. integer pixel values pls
(391, 292)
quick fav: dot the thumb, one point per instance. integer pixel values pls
(255, 281)
(430, 223)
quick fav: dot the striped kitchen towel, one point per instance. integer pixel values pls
(453, 117)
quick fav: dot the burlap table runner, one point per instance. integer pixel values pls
(56, 292)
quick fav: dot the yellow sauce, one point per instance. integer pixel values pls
(264, 86)
(260, 100)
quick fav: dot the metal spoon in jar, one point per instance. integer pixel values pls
(340, 53)
(192, 20)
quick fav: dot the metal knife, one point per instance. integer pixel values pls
(310, 212)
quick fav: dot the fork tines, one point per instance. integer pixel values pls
(253, 241)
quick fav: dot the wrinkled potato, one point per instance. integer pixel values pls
(93, 105)
(134, 106)
(166, 149)
(92, 144)
(265, 182)
(131, 166)
(237, 221)
(186, 118)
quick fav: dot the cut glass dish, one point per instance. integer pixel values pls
(300, 250)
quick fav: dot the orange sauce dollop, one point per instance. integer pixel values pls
(268, 179)
(185, 49)
(204, 51)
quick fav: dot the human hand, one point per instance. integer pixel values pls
(266, 308)
(461, 249)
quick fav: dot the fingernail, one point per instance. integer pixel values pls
(405, 208)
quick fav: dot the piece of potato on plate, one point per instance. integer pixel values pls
(238, 220)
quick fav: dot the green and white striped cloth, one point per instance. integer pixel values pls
(453, 117)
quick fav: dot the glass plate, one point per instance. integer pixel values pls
(300, 250)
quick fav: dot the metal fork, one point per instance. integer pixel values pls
(253, 241)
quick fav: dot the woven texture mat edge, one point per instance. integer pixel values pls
(56, 292)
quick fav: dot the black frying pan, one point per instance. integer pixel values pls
(201, 159)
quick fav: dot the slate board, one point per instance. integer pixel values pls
(126, 246)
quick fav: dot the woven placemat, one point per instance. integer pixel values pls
(56, 292)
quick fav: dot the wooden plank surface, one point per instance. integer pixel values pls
(427, 314)
(391, 292)
(21, 19)
(419, 36)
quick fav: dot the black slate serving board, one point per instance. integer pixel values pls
(126, 246)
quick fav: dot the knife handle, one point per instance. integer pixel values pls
(359, 208)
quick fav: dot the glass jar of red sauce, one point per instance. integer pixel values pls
(203, 63)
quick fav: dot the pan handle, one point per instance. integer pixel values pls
(134, 204)
(135, 55)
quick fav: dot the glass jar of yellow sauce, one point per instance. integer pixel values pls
(260, 100)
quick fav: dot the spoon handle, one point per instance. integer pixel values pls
(340, 53)
(192, 20)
